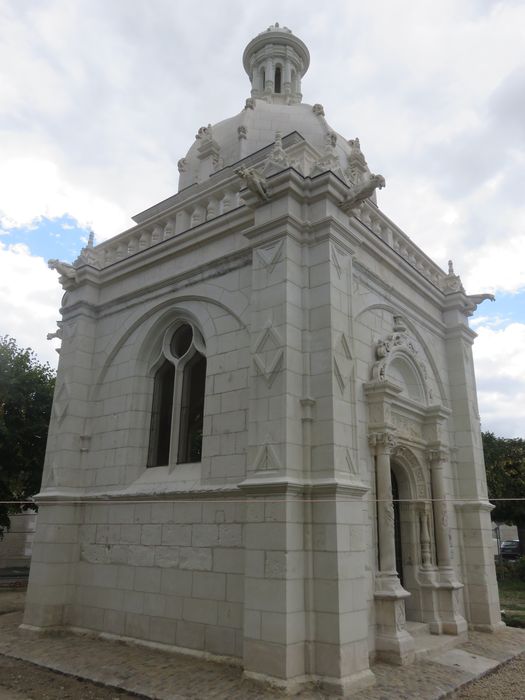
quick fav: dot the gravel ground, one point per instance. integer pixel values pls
(507, 683)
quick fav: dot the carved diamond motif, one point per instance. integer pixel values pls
(270, 256)
(268, 355)
(337, 256)
(61, 402)
(342, 362)
(350, 462)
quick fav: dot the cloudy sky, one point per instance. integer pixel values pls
(99, 99)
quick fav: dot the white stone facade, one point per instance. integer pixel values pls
(338, 373)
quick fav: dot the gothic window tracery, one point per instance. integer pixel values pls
(178, 399)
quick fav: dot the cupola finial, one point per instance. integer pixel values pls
(275, 61)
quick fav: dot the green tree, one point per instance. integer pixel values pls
(505, 463)
(26, 394)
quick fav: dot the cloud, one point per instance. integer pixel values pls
(499, 355)
(100, 100)
(52, 196)
(30, 296)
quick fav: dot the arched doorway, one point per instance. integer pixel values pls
(397, 527)
(406, 506)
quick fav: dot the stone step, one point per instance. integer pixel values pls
(417, 629)
(427, 644)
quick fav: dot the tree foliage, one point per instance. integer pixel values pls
(505, 464)
(26, 395)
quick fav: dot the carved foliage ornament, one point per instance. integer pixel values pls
(398, 342)
(382, 442)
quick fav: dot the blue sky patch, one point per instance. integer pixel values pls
(508, 308)
(60, 238)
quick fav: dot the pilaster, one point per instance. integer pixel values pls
(479, 574)
(56, 546)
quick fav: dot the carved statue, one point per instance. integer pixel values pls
(204, 132)
(362, 191)
(330, 139)
(254, 181)
(318, 110)
(250, 103)
(278, 160)
(382, 349)
(357, 167)
(181, 165)
(63, 268)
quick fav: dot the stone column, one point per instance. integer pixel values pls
(393, 642)
(436, 459)
(448, 588)
(384, 443)
(268, 75)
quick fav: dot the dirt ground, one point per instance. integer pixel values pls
(21, 680)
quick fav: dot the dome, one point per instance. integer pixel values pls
(275, 61)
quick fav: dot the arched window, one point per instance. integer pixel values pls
(278, 79)
(178, 399)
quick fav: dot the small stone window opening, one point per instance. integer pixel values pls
(263, 79)
(178, 400)
(278, 79)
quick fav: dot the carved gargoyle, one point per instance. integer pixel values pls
(57, 334)
(474, 300)
(254, 181)
(362, 191)
(63, 268)
(479, 298)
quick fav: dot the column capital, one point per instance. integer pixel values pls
(437, 455)
(383, 442)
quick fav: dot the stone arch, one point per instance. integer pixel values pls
(153, 321)
(406, 463)
(404, 371)
(420, 343)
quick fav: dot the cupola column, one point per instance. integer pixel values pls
(269, 82)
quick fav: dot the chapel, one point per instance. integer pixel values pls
(265, 442)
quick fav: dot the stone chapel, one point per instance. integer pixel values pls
(265, 441)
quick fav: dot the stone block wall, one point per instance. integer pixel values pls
(170, 572)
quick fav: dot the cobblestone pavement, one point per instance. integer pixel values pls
(169, 676)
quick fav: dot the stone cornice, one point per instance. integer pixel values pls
(220, 227)
(313, 487)
(176, 492)
(474, 504)
(187, 279)
(462, 332)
